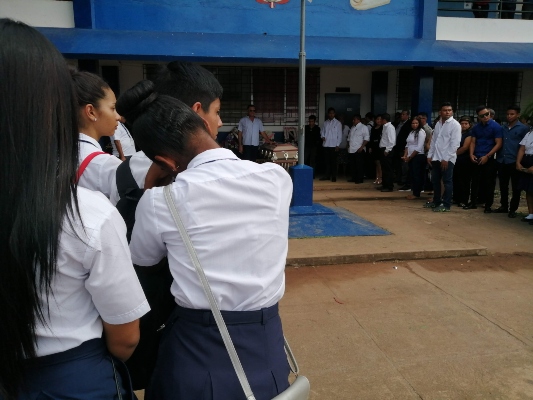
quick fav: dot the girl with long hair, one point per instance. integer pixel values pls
(66, 277)
(462, 172)
(414, 155)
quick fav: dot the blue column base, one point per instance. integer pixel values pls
(302, 182)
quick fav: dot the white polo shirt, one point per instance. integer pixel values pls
(388, 137)
(95, 279)
(527, 142)
(358, 134)
(250, 131)
(123, 135)
(100, 174)
(416, 144)
(237, 215)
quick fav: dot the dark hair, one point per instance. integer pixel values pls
(386, 117)
(369, 115)
(417, 130)
(467, 119)
(249, 105)
(89, 87)
(358, 116)
(162, 125)
(189, 83)
(313, 117)
(515, 108)
(423, 114)
(479, 108)
(331, 109)
(446, 104)
(39, 153)
(129, 101)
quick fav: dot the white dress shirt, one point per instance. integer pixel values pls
(95, 279)
(126, 141)
(237, 215)
(332, 131)
(445, 141)
(527, 142)
(358, 134)
(250, 131)
(139, 166)
(344, 139)
(388, 137)
(415, 144)
(100, 174)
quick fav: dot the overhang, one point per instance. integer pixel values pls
(234, 48)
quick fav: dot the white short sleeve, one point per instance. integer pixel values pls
(147, 245)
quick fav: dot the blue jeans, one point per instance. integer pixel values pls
(437, 174)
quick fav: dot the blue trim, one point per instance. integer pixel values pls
(426, 28)
(198, 47)
(84, 14)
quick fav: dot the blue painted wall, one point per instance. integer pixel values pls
(328, 18)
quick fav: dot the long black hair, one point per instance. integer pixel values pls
(161, 125)
(39, 156)
(417, 130)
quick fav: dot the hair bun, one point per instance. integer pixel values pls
(134, 101)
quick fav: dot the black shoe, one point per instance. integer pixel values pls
(512, 214)
(333, 179)
(524, 219)
(470, 206)
(386, 190)
(357, 182)
(500, 210)
(462, 205)
(531, 222)
(379, 188)
(324, 178)
(350, 180)
(488, 210)
(404, 188)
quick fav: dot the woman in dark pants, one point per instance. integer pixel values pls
(373, 147)
(414, 155)
(462, 173)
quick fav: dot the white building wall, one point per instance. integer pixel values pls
(484, 30)
(41, 13)
(527, 88)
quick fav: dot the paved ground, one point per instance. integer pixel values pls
(438, 326)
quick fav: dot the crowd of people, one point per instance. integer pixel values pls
(457, 161)
(74, 308)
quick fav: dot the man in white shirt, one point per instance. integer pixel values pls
(122, 141)
(357, 139)
(386, 144)
(442, 156)
(249, 129)
(331, 134)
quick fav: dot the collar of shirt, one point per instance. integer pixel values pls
(210, 156)
(91, 140)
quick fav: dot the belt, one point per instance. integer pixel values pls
(205, 317)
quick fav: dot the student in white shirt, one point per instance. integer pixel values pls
(415, 157)
(357, 139)
(241, 251)
(70, 298)
(331, 134)
(97, 117)
(122, 141)
(442, 156)
(386, 144)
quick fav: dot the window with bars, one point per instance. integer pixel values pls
(465, 90)
(273, 91)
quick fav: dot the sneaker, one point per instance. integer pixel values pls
(500, 210)
(430, 204)
(441, 208)
(526, 219)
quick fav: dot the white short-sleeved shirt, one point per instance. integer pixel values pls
(139, 166)
(332, 132)
(237, 215)
(527, 142)
(358, 134)
(123, 135)
(250, 131)
(100, 174)
(95, 279)
(416, 144)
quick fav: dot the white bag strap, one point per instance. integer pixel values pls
(209, 294)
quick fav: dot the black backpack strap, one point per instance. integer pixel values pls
(129, 193)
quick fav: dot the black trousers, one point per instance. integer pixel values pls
(506, 173)
(485, 176)
(357, 166)
(250, 152)
(330, 155)
(387, 168)
(462, 179)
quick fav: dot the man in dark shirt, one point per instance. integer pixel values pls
(513, 134)
(312, 142)
(486, 141)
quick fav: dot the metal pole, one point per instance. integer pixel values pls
(301, 96)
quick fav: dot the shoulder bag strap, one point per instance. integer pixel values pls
(85, 163)
(209, 294)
